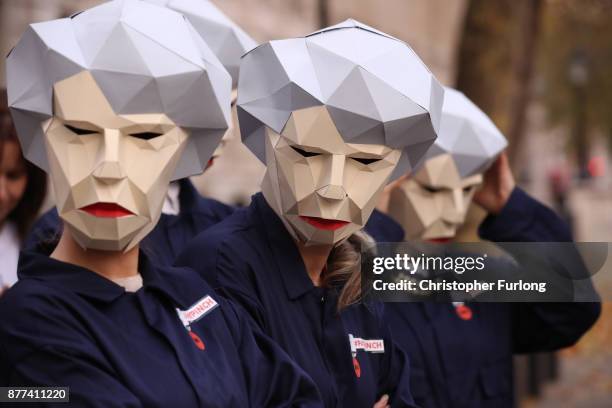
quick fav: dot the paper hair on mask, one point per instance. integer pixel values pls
(434, 201)
(139, 67)
(375, 88)
(114, 108)
(224, 37)
(335, 115)
(467, 134)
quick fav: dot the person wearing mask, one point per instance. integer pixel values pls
(185, 212)
(114, 109)
(333, 121)
(22, 191)
(461, 352)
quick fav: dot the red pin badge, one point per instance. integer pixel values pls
(197, 340)
(464, 312)
(357, 367)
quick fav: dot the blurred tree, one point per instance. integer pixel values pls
(484, 59)
(495, 65)
(529, 21)
(576, 69)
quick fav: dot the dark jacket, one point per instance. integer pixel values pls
(252, 259)
(64, 325)
(467, 362)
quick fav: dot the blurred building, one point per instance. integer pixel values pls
(431, 27)
(434, 29)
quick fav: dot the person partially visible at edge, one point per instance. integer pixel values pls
(23, 187)
(461, 352)
(334, 122)
(94, 313)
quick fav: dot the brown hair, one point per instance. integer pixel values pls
(344, 268)
(27, 209)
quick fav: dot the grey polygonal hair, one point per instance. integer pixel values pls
(228, 41)
(467, 134)
(375, 88)
(144, 58)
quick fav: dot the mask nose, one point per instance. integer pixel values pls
(456, 211)
(110, 168)
(333, 189)
(332, 192)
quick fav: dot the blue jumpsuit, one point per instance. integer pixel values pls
(383, 228)
(467, 361)
(63, 325)
(252, 259)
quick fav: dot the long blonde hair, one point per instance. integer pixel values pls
(344, 267)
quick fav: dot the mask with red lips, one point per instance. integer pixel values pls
(334, 116)
(114, 109)
(323, 188)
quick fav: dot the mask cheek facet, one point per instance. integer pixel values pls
(71, 159)
(413, 207)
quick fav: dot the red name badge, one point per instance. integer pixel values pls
(198, 310)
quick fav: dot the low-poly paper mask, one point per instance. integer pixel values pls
(335, 116)
(224, 37)
(114, 109)
(433, 203)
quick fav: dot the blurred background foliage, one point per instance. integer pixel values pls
(576, 65)
(556, 52)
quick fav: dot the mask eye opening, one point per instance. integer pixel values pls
(79, 131)
(146, 135)
(365, 161)
(303, 152)
(430, 189)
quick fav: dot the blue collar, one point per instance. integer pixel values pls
(173, 283)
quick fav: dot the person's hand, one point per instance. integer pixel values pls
(497, 185)
(383, 402)
(3, 289)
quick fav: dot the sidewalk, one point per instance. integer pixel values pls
(585, 378)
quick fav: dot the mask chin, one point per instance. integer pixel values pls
(96, 230)
(106, 234)
(440, 230)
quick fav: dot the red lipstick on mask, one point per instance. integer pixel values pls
(106, 210)
(440, 240)
(324, 224)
